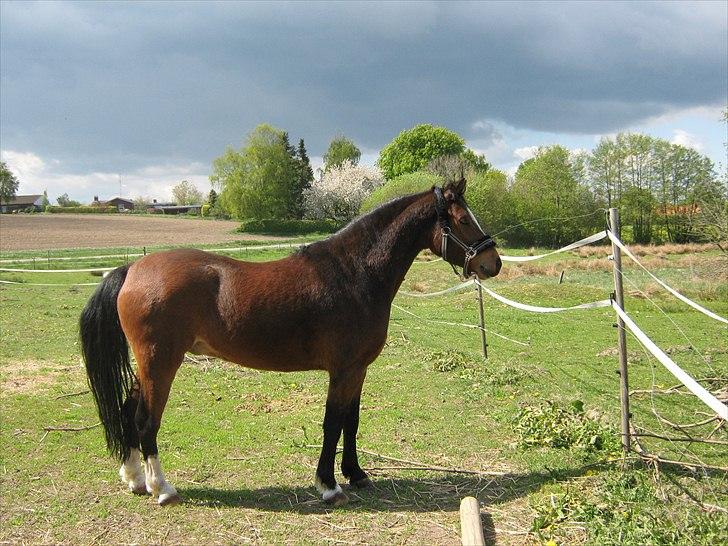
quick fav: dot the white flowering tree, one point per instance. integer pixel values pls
(339, 193)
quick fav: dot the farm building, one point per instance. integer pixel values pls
(173, 208)
(23, 202)
(119, 202)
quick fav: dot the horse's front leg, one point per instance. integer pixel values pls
(349, 461)
(343, 388)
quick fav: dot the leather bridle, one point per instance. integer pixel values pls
(472, 250)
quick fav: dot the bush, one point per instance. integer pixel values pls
(339, 193)
(81, 210)
(397, 187)
(205, 211)
(276, 226)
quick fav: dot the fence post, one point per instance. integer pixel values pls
(621, 337)
(482, 317)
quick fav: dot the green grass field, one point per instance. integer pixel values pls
(236, 442)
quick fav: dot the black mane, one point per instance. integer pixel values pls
(368, 227)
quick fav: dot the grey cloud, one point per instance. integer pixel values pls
(120, 85)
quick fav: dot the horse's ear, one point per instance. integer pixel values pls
(454, 189)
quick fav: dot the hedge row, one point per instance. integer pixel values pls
(273, 226)
(54, 209)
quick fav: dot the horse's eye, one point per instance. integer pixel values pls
(463, 221)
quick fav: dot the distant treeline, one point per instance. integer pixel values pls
(553, 198)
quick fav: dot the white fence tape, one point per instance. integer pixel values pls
(537, 309)
(439, 293)
(583, 242)
(697, 389)
(87, 270)
(139, 254)
(50, 284)
(672, 291)
(461, 324)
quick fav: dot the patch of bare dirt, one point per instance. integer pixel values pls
(30, 376)
(50, 231)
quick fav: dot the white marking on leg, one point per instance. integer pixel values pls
(327, 493)
(156, 484)
(132, 473)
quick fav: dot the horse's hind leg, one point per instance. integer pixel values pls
(156, 373)
(131, 471)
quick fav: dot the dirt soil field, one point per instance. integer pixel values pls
(50, 231)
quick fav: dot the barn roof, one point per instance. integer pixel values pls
(23, 200)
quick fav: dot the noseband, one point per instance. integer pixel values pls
(472, 250)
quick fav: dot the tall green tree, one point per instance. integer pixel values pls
(547, 187)
(490, 199)
(212, 197)
(8, 184)
(259, 180)
(304, 179)
(341, 149)
(413, 149)
(476, 162)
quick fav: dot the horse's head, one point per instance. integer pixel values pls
(458, 238)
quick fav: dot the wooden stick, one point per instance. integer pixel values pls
(434, 468)
(71, 394)
(71, 429)
(423, 465)
(670, 439)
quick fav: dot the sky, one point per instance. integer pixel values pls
(100, 98)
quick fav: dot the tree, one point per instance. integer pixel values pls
(414, 148)
(339, 194)
(341, 149)
(259, 180)
(44, 202)
(8, 184)
(141, 203)
(186, 193)
(212, 197)
(303, 181)
(547, 187)
(65, 201)
(476, 162)
(489, 197)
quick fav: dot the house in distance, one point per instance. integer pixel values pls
(23, 202)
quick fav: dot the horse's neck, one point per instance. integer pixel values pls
(395, 235)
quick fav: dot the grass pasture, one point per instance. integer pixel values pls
(235, 442)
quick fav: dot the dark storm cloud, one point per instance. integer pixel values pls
(119, 85)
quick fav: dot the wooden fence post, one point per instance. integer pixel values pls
(618, 296)
(471, 529)
(482, 318)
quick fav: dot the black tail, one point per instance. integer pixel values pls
(106, 353)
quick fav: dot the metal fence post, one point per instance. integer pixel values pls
(618, 295)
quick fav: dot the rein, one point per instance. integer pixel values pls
(472, 250)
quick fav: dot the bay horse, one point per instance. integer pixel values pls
(325, 307)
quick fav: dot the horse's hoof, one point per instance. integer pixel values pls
(139, 489)
(361, 483)
(337, 499)
(167, 499)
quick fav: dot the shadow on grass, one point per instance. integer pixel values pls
(387, 494)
